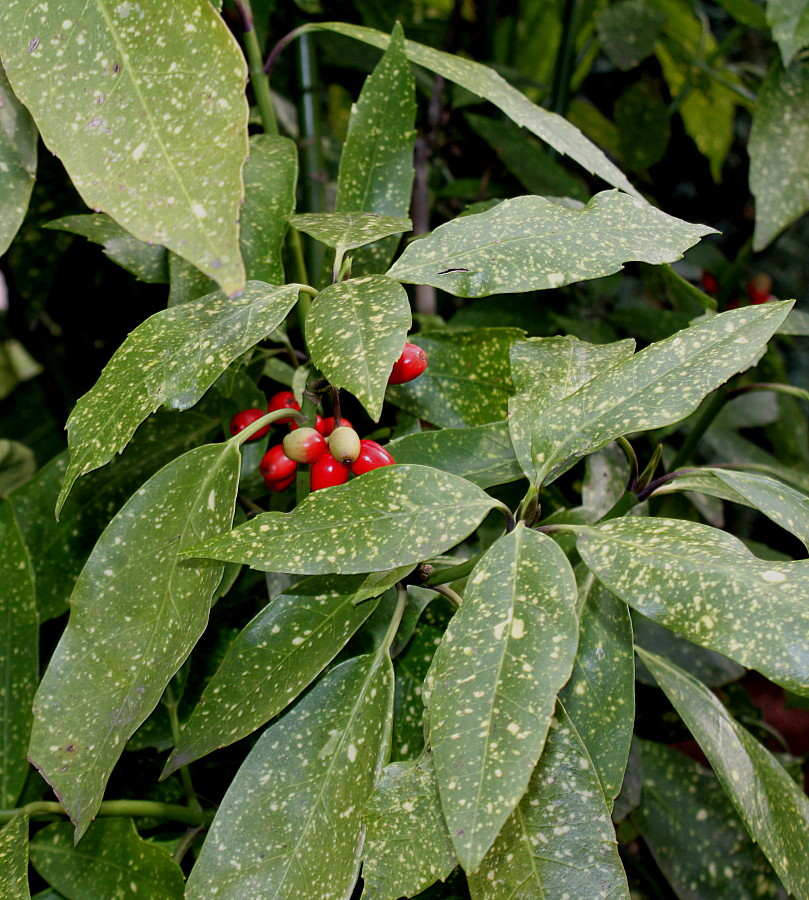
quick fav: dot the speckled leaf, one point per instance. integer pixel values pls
(347, 230)
(111, 861)
(482, 455)
(600, 696)
(276, 655)
(376, 165)
(18, 162)
(691, 828)
(147, 262)
(405, 514)
(19, 664)
(773, 808)
(658, 386)
(14, 859)
(559, 842)
(628, 31)
(789, 21)
(146, 131)
(779, 143)
(506, 654)
(137, 610)
(170, 360)
(468, 379)
(270, 178)
(407, 847)
(780, 502)
(62, 547)
(705, 584)
(485, 82)
(531, 243)
(606, 474)
(355, 332)
(290, 825)
(545, 370)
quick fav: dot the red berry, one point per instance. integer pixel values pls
(275, 466)
(372, 456)
(709, 282)
(318, 424)
(304, 445)
(328, 425)
(278, 486)
(759, 288)
(327, 472)
(246, 417)
(409, 365)
(283, 400)
(734, 303)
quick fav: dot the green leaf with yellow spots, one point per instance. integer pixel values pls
(506, 654)
(170, 360)
(600, 696)
(545, 370)
(137, 610)
(276, 655)
(559, 842)
(111, 861)
(693, 831)
(405, 514)
(19, 663)
(706, 585)
(658, 386)
(484, 82)
(789, 21)
(355, 332)
(531, 243)
(14, 858)
(347, 230)
(376, 165)
(483, 454)
(467, 381)
(146, 131)
(774, 810)
(18, 162)
(290, 825)
(407, 847)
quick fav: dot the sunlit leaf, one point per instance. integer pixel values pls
(111, 861)
(355, 332)
(405, 514)
(346, 230)
(146, 133)
(507, 652)
(789, 21)
(137, 610)
(14, 859)
(559, 841)
(170, 360)
(18, 162)
(290, 824)
(774, 809)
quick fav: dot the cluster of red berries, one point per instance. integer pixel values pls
(332, 452)
(759, 288)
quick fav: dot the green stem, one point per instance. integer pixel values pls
(703, 423)
(455, 599)
(253, 427)
(454, 573)
(170, 702)
(147, 808)
(396, 618)
(255, 63)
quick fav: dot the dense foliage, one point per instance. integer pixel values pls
(532, 252)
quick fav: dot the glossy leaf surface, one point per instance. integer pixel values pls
(789, 21)
(405, 514)
(299, 794)
(506, 654)
(14, 859)
(276, 655)
(347, 230)
(355, 332)
(137, 610)
(705, 584)
(18, 162)
(19, 663)
(133, 110)
(560, 840)
(658, 386)
(111, 861)
(531, 243)
(171, 359)
(773, 808)
(467, 381)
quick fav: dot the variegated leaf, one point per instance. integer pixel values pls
(18, 162)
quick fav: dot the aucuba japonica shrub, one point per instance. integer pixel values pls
(456, 648)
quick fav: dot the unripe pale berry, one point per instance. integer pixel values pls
(276, 466)
(372, 456)
(409, 365)
(283, 400)
(328, 425)
(278, 486)
(344, 445)
(246, 417)
(304, 445)
(327, 472)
